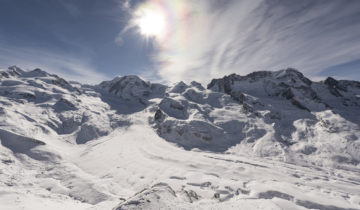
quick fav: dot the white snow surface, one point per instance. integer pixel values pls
(267, 140)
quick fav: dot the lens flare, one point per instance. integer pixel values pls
(151, 21)
(165, 24)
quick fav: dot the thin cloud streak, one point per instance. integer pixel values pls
(244, 36)
(66, 66)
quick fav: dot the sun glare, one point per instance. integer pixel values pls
(151, 22)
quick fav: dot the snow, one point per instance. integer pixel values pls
(268, 140)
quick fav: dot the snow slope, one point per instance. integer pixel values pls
(267, 140)
(280, 114)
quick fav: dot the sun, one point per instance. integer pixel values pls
(151, 22)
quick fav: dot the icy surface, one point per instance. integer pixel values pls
(267, 140)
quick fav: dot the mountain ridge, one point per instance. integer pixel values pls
(269, 98)
(89, 145)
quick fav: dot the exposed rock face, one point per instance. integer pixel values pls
(175, 108)
(157, 197)
(334, 86)
(159, 116)
(287, 83)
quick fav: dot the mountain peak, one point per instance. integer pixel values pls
(131, 87)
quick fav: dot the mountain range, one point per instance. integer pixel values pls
(266, 140)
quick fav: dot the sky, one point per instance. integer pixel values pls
(180, 40)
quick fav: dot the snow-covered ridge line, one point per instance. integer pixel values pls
(266, 113)
(270, 140)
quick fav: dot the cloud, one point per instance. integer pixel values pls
(71, 8)
(126, 4)
(65, 65)
(220, 37)
(119, 40)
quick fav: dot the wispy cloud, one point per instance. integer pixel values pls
(71, 8)
(65, 65)
(224, 36)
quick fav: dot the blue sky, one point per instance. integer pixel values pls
(93, 40)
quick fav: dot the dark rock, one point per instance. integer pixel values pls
(299, 105)
(334, 86)
(307, 150)
(275, 194)
(159, 115)
(294, 73)
(288, 94)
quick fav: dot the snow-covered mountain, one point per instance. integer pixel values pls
(267, 140)
(281, 114)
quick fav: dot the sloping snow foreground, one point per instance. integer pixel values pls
(72, 146)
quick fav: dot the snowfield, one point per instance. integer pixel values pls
(267, 140)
